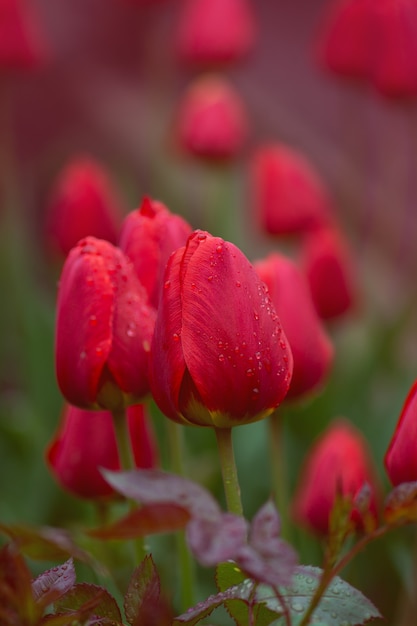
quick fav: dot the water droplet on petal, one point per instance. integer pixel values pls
(238, 283)
(256, 315)
(201, 236)
(221, 358)
(219, 248)
(255, 393)
(250, 372)
(131, 329)
(210, 278)
(92, 320)
(167, 284)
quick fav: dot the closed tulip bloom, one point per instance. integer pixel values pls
(219, 356)
(339, 462)
(311, 347)
(401, 458)
(215, 32)
(82, 202)
(149, 235)
(288, 195)
(211, 121)
(103, 330)
(21, 45)
(327, 263)
(85, 442)
(373, 40)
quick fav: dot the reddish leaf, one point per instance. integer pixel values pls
(143, 603)
(148, 520)
(84, 601)
(401, 504)
(16, 597)
(156, 486)
(213, 541)
(53, 583)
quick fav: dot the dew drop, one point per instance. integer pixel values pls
(297, 607)
(258, 355)
(92, 320)
(210, 278)
(250, 372)
(131, 329)
(176, 337)
(201, 236)
(255, 393)
(221, 358)
(219, 248)
(238, 283)
(256, 315)
(167, 284)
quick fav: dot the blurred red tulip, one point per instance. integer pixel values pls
(82, 203)
(149, 235)
(288, 195)
(21, 44)
(311, 347)
(213, 32)
(219, 356)
(327, 263)
(104, 328)
(339, 462)
(85, 441)
(373, 40)
(211, 121)
(401, 458)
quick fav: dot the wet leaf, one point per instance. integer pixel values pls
(143, 603)
(147, 520)
(16, 598)
(53, 583)
(401, 504)
(85, 600)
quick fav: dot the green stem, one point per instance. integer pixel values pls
(177, 453)
(127, 463)
(229, 472)
(277, 460)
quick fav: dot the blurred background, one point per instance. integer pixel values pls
(107, 82)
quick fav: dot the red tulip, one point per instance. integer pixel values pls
(213, 32)
(401, 458)
(212, 121)
(219, 356)
(339, 462)
(310, 345)
(104, 328)
(288, 195)
(149, 235)
(328, 266)
(21, 45)
(85, 441)
(373, 40)
(82, 202)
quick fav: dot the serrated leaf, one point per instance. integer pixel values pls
(401, 504)
(143, 603)
(85, 600)
(45, 542)
(16, 597)
(53, 583)
(228, 575)
(340, 604)
(156, 486)
(215, 540)
(148, 520)
(205, 608)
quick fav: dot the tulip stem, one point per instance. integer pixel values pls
(229, 472)
(176, 451)
(279, 482)
(127, 463)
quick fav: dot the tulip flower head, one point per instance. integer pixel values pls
(401, 458)
(103, 330)
(288, 195)
(219, 356)
(311, 347)
(212, 121)
(326, 261)
(149, 235)
(215, 32)
(85, 441)
(82, 202)
(374, 41)
(339, 462)
(21, 45)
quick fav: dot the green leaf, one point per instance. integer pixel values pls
(143, 603)
(228, 575)
(341, 604)
(85, 600)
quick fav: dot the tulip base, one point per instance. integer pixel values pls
(229, 471)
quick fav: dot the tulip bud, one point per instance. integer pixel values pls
(149, 235)
(373, 40)
(401, 458)
(288, 195)
(212, 121)
(85, 442)
(104, 328)
(21, 45)
(338, 463)
(219, 356)
(82, 203)
(215, 32)
(310, 345)
(326, 261)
